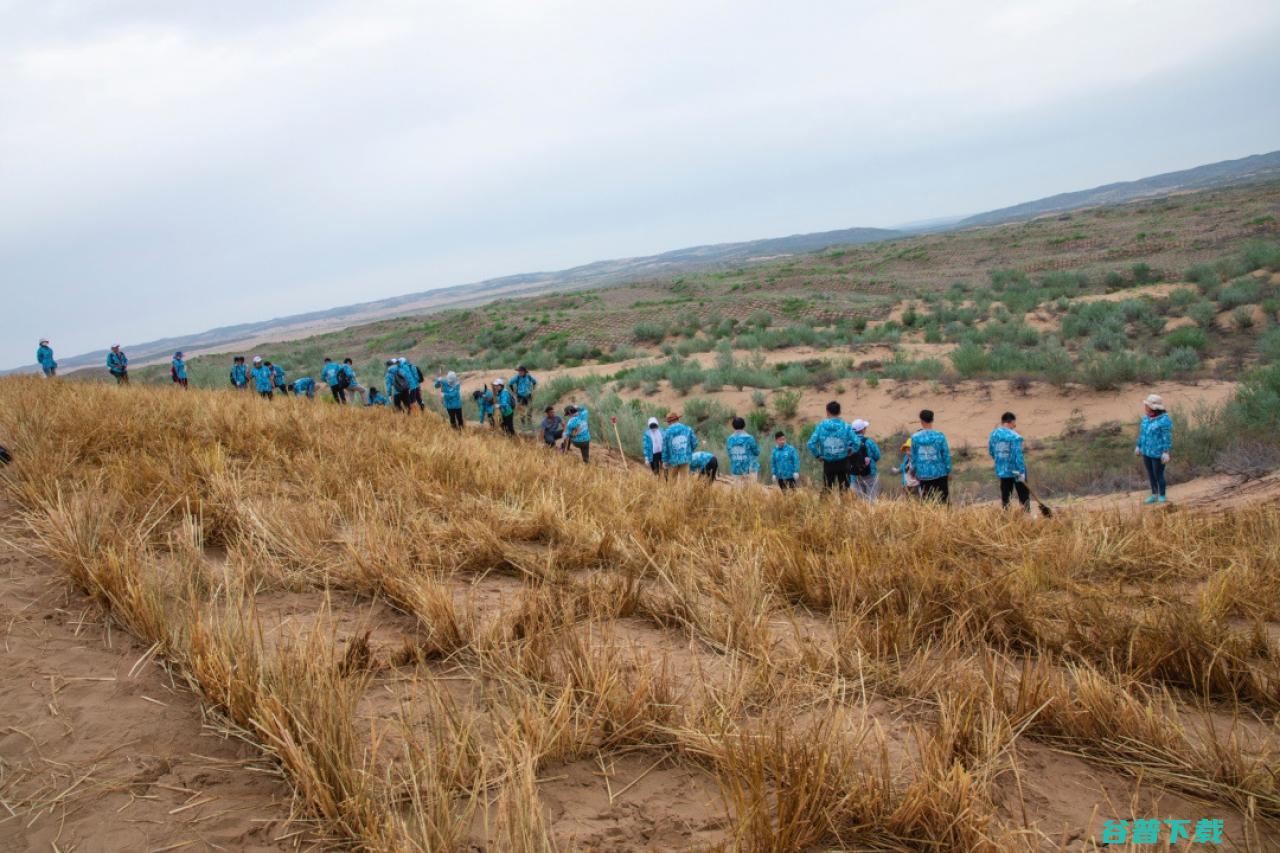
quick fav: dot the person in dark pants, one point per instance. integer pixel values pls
(118, 365)
(931, 460)
(652, 445)
(1005, 448)
(784, 462)
(552, 427)
(1155, 440)
(705, 463)
(451, 397)
(506, 403)
(834, 441)
(577, 431)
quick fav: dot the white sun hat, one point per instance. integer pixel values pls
(859, 425)
(1154, 402)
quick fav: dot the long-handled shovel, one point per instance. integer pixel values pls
(613, 419)
(1044, 510)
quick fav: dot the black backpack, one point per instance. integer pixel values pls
(400, 382)
(5, 456)
(858, 464)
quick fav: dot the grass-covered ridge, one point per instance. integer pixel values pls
(834, 674)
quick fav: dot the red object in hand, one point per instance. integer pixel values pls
(613, 419)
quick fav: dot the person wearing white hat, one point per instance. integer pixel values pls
(864, 477)
(505, 402)
(44, 357)
(451, 397)
(1155, 440)
(262, 379)
(118, 365)
(653, 446)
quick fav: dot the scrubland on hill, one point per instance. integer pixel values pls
(446, 641)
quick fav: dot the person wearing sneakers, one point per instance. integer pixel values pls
(44, 358)
(1005, 449)
(653, 446)
(1155, 440)
(678, 444)
(864, 476)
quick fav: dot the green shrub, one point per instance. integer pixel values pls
(758, 399)
(969, 359)
(1182, 297)
(1242, 291)
(1055, 363)
(786, 404)
(1257, 401)
(1181, 361)
(1269, 346)
(757, 420)
(698, 410)
(1187, 337)
(1205, 277)
(1145, 274)
(1113, 281)
(932, 334)
(1242, 318)
(1203, 313)
(909, 317)
(1262, 254)
(653, 333)
(760, 319)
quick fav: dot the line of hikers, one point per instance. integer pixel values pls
(850, 458)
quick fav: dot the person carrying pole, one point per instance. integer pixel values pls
(178, 370)
(522, 385)
(784, 462)
(1005, 449)
(577, 431)
(1155, 440)
(451, 397)
(834, 441)
(865, 477)
(506, 405)
(277, 379)
(262, 378)
(653, 446)
(744, 454)
(44, 358)
(118, 365)
(931, 460)
(678, 444)
(239, 374)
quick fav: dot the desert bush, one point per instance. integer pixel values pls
(969, 359)
(1269, 346)
(1261, 254)
(1189, 337)
(1242, 291)
(1203, 313)
(652, 333)
(786, 404)
(1181, 361)
(1242, 318)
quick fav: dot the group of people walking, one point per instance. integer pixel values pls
(849, 457)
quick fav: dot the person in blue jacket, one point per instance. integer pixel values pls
(239, 374)
(348, 383)
(784, 462)
(262, 378)
(705, 463)
(577, 431)
(44, 357)
(304, 387)
(522, 385)
(931, 460)
(451, 397)
(505, 402)
(834, 441)
(867, 485)
(1005, 449)
(397, 385)
(377, 398)
(178, 370)
(485, 402)
(744, 453)
(414, 375)
(678, 444)
(277, 379)
(1155, 440)
(329, 374)
(118, 365)
(652, 445)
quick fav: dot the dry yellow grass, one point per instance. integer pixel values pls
(841, 676)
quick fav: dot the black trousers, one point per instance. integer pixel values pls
(585, 449)
(655, 464)
(835, 474)
(339, 396)
(415, 396)
(938, 489)
(509, 423)
(266, 394)
(455, 418)
(283, 389)
(787, 483)
(1007, 487)
(402, 402)
(713, 468)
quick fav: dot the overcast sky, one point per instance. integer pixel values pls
(167, 166)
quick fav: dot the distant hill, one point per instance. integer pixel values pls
(1259, 167)
(292, 327)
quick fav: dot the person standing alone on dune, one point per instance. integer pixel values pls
(44, 357)
(1155, 440)
(1005, 449)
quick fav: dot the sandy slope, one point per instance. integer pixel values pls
(99, 750)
